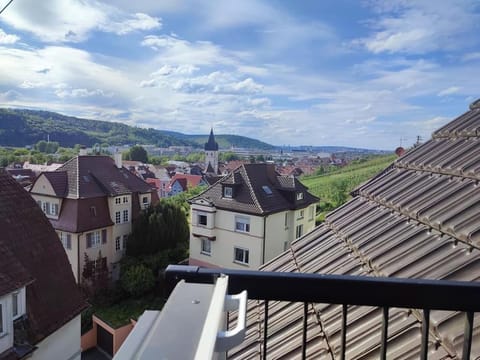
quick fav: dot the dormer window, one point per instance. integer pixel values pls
(228, 192)
(300, 196)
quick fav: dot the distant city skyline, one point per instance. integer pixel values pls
(369, 74)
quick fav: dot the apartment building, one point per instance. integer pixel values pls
(91, 202)
(249, 217)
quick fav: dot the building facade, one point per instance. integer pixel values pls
(91, 201)
(40, 304)
(248, 218)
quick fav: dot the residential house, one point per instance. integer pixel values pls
(183, 182)
(40, 303)
(419, 218)
(249, 217)
(91, 202)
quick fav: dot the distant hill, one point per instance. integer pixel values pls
(20, 127)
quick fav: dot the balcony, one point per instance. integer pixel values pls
(194, 312)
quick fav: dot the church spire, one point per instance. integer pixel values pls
(211, 144)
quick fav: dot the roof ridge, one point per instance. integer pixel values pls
(250, 188)
(447, 173)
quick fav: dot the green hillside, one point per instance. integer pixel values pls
(20, 127)
(334, 188)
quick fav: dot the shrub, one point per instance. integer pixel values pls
(137, 280)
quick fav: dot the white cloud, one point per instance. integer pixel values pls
(73, 20)
(473, 56)
(80, 93)
(138, 21)
(449, 91)
(421, 26)
(6, 39)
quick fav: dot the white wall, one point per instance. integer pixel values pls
(62, 344)
(6, 337)
(222, 249)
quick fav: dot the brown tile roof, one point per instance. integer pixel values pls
(30, 245)
(93, 176)
(58, 180)
(83, 215)
(418, 219)
(250, 194)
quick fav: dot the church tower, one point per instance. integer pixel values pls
(211, 155)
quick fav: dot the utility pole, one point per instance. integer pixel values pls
(402, 139)
(419, 140)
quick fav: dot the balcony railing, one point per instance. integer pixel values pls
(385, 293)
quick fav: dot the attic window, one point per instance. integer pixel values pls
(267, 190)
(300, 196)
(227, 192)
(93, 210)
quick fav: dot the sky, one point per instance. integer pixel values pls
(370, 74)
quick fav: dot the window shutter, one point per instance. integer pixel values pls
(104, 236)
(89, 240)
(69, 241)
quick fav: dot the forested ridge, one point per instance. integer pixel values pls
(21, 127)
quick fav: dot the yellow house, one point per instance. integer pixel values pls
(91, 201)
(249, 217)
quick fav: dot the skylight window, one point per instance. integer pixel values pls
(267, 190)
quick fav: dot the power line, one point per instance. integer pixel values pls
(1, 11)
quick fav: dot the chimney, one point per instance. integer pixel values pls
(83, 151)
(118, 159)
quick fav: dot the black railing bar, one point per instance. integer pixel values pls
(425, 332)
(383, 348)
(304, 332)
(467, 337)
(338, 289)
(343, 344)
(265, 329)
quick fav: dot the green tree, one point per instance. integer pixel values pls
(158, 228)
(260, 158)
(51, 147)
(41, 146)
(138, 153)
(228, 156)
(137, 280)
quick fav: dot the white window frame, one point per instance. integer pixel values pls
(299, 196)
(242, 224)
(3, 325)
(298, 233)
(206, 246)
(118, 217)
(54, 209)
(125, 216)
(301, 214)
(228, 192)
(66, 240)
(125, 199)
(118, 244)
(286, 220)
(15, 304)
(124, 241)
(118, 200)
(202, 215)
(96, 239)
(311, 211)
(245, 257)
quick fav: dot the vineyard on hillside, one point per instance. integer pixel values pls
(334, 188)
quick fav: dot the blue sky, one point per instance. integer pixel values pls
(370, 74)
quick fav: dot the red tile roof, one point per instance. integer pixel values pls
(30, 245)
(190, 180)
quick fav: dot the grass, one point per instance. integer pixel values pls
(334, 188)
(118, 315)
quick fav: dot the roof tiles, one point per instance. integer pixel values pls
(420, 218)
